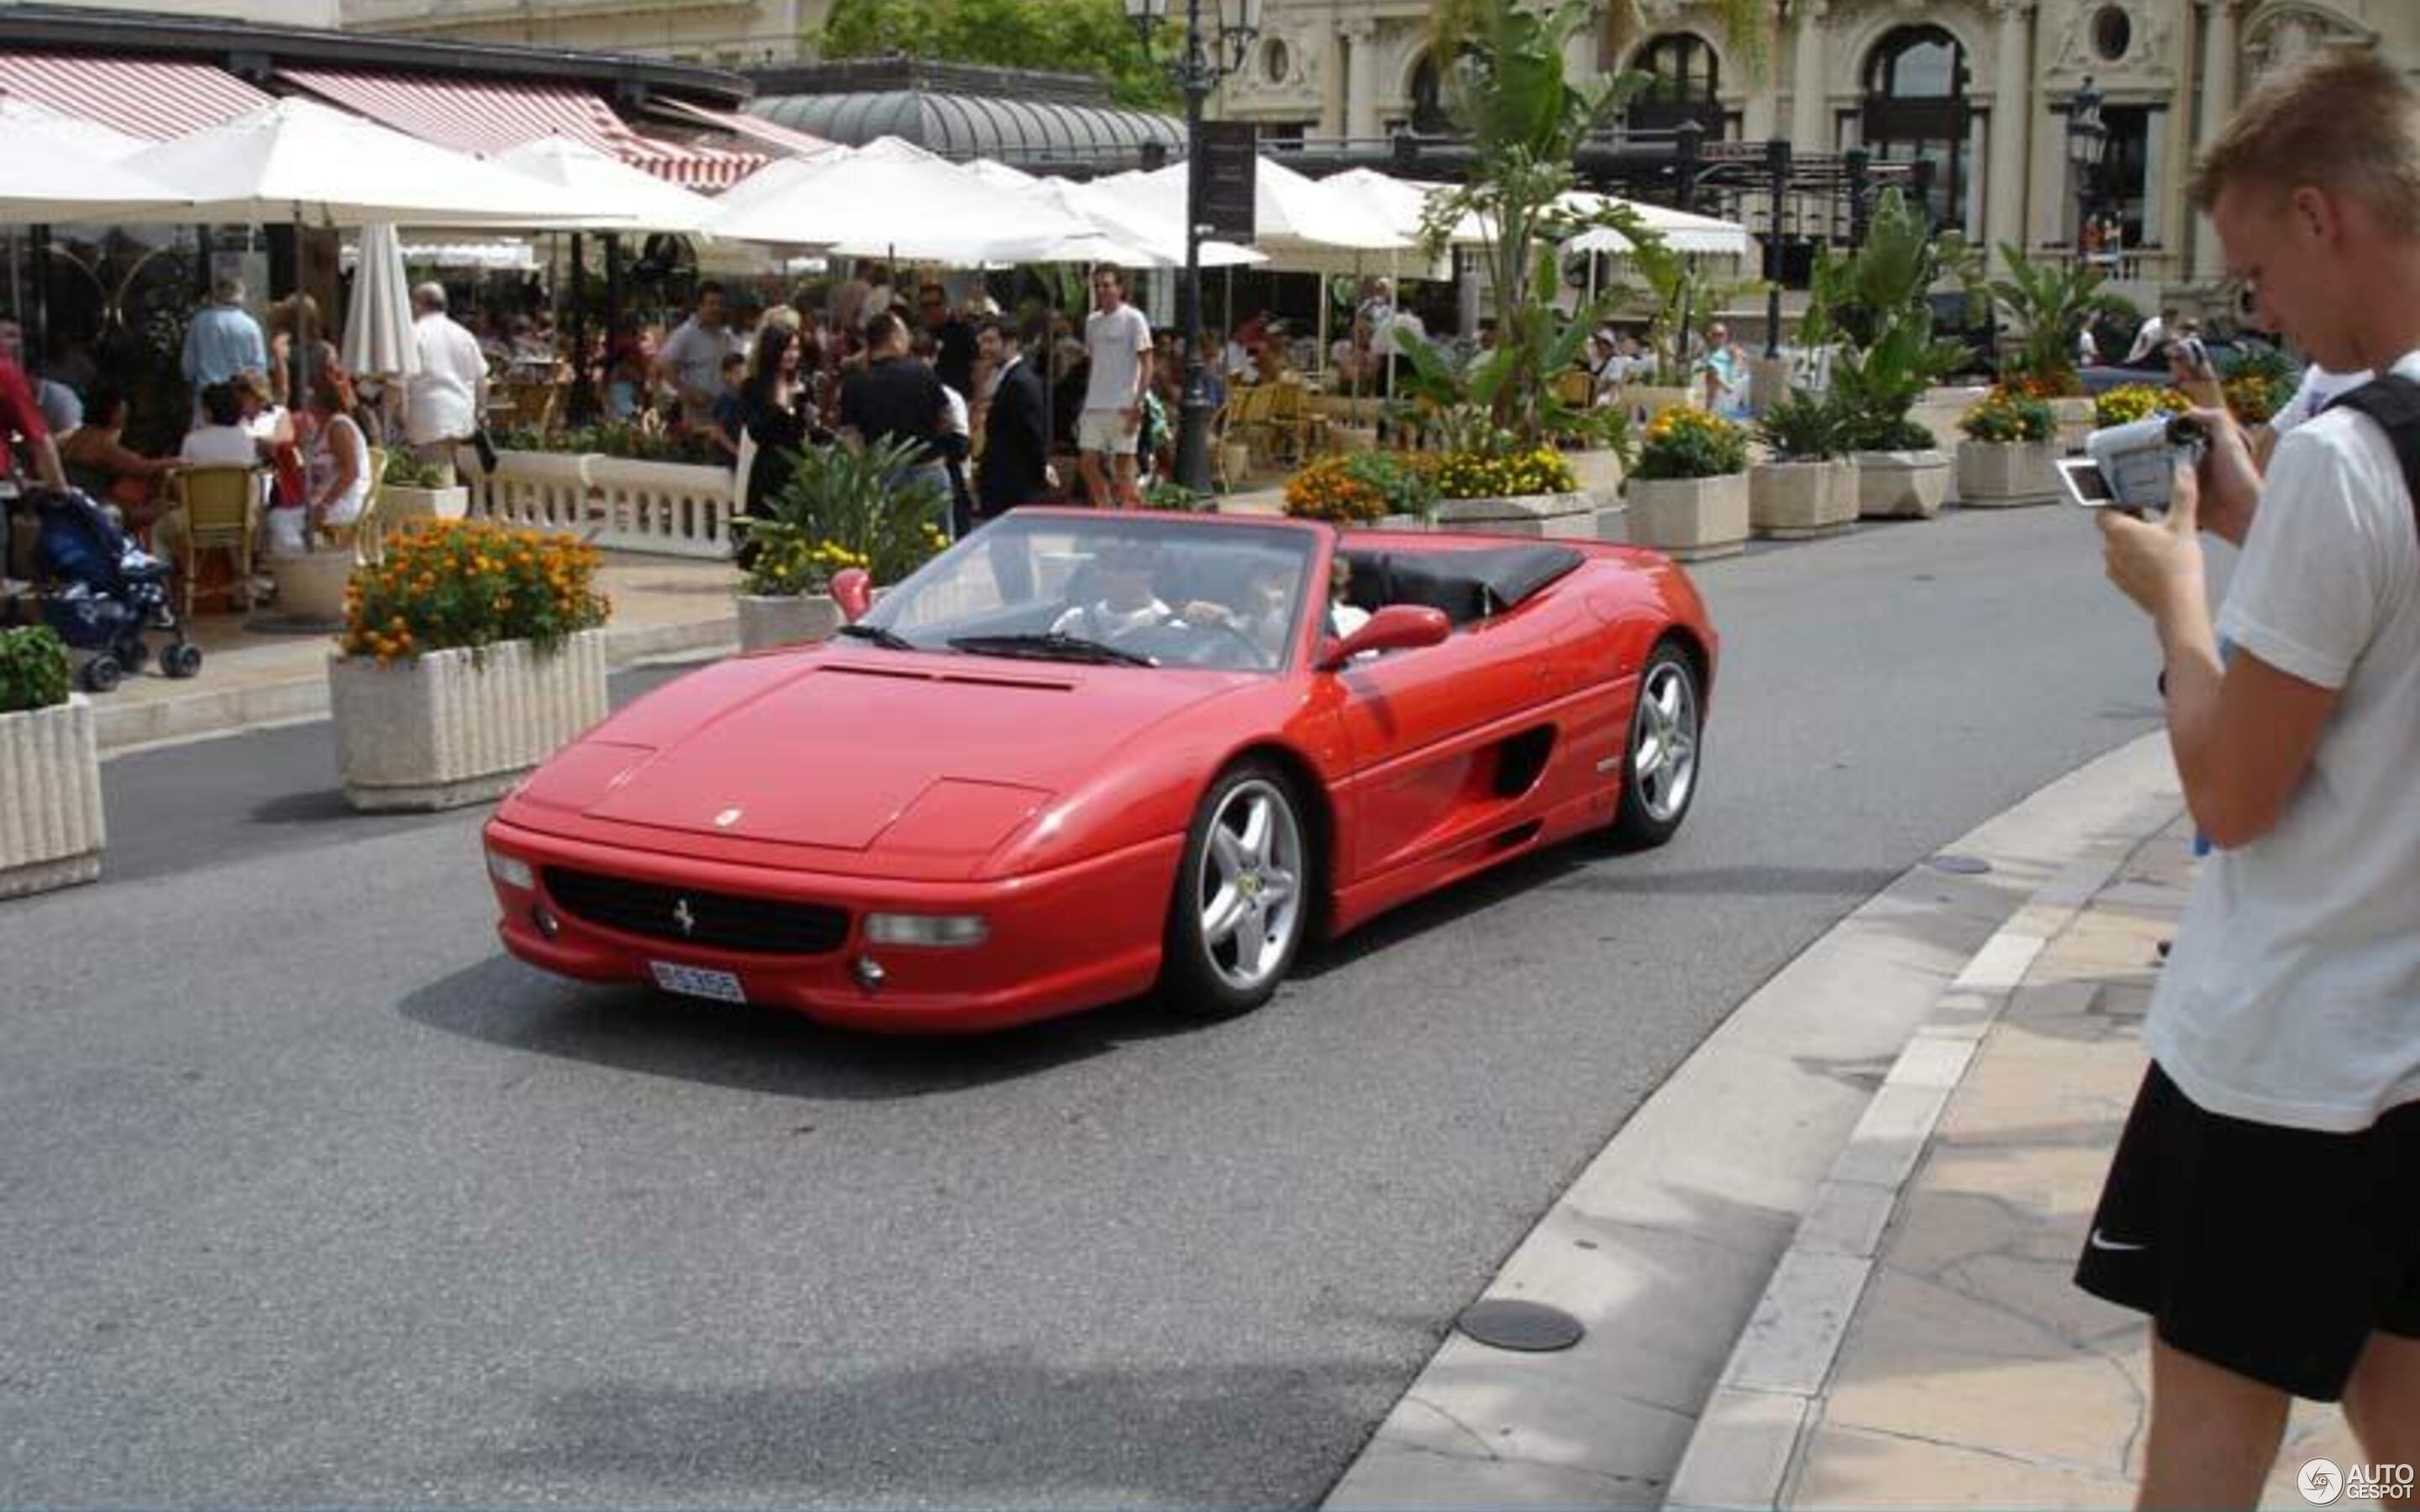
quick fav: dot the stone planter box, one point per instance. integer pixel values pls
(2075, 421)
(1996, 475)
(398, 506)
(1599, 473)
(1396, 522)
(1550, 516)
(788, 620)
(1901, 485)
(51, 830)
(458, 726)
(1793, 500)
(1689, 519)
(312, 586)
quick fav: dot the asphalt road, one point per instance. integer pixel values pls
(310, 1196)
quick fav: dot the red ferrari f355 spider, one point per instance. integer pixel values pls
(1081, 756)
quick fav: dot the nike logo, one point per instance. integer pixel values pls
(2113, 1245)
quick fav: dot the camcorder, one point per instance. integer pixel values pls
(2132, 467)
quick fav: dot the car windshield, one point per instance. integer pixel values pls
(1123, 590)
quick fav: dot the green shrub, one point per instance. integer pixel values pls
(1169, 494)
(842, 500)
(405, 471)
(33, 669)
(1805, 427)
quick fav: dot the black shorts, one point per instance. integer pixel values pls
(2272, 1252)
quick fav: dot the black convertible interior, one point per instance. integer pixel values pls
(1468, 585)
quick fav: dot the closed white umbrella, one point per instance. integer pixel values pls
(892, 199)
(378, 323)
(299, 160)
(629, 198)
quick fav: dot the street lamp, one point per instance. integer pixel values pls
(1202, 60)
(2087, 142)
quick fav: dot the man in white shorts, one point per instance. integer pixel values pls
(1117, 343)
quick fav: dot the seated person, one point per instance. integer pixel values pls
(1263, 613)
(337, 473)
(1125, 602)
(99, 461)
(1342, 618)
(222, 439)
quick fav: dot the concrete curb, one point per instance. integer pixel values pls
(1748, 1435)
(287, 700)
(1752, 1184)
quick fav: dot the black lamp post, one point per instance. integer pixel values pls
(1202, 60)
(2087, 140)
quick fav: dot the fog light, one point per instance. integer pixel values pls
(868, 972)
(511, 871)
(542, 916)
(927, 929)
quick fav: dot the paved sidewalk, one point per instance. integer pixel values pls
(1970, 1371)
(250, 676)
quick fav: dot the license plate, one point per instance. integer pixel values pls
(698, 981)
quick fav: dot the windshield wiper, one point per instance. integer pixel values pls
(887, 640)
(1050, 647)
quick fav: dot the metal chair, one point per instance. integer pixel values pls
(218, 505)
(366, 531)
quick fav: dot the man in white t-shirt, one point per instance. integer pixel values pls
(443, 401)
(2263, 1206)
(1117, 343)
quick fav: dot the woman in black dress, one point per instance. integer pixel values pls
(774, 408)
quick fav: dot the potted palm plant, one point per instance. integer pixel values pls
(51, 830)
(2011, 453)
(1806, 489)
(1689, 494)
(2051, 302)
(841, 508)
(471, 651)
(1892, 358)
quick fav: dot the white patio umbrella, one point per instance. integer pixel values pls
(54, 177)
(24, 119)
(1301, 226)
(892, 199)
(1000, 173)
(377, 321)
(1140, 238)
(629, 198)
(1682, 230)
(296, 159)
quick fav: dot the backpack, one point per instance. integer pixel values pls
(2393, 401)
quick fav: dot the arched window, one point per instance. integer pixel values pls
(1428, 100)
(1915, 110)
(1684, 81)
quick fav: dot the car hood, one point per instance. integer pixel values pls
(917, 753)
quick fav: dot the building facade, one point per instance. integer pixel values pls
(728, 33)
(1979, 88)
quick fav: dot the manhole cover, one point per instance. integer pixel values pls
(1530, 1326)
(1964, 866)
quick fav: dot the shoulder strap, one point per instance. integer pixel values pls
(2393, 401)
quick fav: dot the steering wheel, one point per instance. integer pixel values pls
(1259, 657)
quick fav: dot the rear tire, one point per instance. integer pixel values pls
(1242, 903)
(101, 674)
(183, 659)
(1659, 765)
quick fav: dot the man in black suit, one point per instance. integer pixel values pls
(1016, 468)
(1016, 440)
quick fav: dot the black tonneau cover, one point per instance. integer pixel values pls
(1467, 584)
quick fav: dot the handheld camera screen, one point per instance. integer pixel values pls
(2087, 484)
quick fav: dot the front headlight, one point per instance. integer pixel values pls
(927, 929)
(511, 871)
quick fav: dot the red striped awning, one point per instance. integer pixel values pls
(489, 116)
(156, 98)
(782, 139)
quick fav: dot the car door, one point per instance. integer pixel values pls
(1425, 733)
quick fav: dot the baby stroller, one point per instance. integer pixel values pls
(101, 592)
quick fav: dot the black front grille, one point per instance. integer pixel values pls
(770, 926)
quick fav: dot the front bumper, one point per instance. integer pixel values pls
(1060, 941)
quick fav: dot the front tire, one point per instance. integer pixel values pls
(1242, 903)
(1659, 767)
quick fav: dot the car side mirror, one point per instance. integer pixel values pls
(1396, 627)
(852, 589)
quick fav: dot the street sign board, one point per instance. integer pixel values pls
(1230, 153)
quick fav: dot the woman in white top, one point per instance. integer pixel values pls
(336, 473)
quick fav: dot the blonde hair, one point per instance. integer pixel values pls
(2344, 120)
